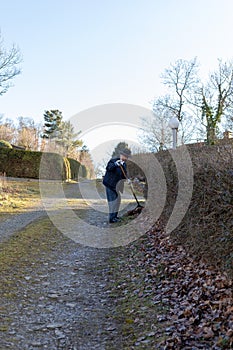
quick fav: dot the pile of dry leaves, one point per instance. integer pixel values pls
(190, 272)
(199, 297)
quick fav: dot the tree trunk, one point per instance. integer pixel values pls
(211, 134)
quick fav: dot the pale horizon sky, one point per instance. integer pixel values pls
(79, 54)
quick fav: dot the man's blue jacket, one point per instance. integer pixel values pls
(114, 175)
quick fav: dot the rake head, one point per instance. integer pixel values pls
(135, 211)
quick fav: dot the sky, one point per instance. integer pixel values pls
(78, 54)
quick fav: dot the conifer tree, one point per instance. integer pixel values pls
(52, 121)
(121, 145)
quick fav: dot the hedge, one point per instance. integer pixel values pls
(206, 227)
(30, 164)
(74, 168)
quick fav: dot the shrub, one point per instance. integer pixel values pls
(74, 168)
(206, 228)
(30, 164)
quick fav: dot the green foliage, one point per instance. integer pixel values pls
(61, 132)
(67, 169)
(52, 167)
(19, 163)
(52, 121)
(83, 172)
(74, 168)
(27, 164)
(212, 118)
(5, 144)
(67, 138)
(118, 148)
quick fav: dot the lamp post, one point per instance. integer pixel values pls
(174, 124)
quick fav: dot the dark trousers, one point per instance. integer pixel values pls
(114, 201)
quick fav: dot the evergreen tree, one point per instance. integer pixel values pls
(118, 148)
(67, 138)
(52, 121)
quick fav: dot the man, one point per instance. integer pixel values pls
(116, 172)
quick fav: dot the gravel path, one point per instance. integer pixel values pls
(59, 295)
(55, 294)
(61, 302)
(17, 222)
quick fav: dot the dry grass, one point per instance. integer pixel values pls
(17, 195)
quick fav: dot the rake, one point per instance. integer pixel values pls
(139, 207)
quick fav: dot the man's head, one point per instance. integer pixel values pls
(125, 154)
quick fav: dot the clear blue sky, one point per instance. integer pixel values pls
(82, 53)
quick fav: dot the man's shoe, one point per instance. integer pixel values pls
(114, 220)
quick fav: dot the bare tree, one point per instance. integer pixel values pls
(181, 79)
(198, 105)
(7, 130)
(188, 122)
(99, 170)
(228, 120)
(155, 134)
(28, 134)
(214, 100)
(9, 66)
(86, 160)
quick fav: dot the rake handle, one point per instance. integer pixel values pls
(131, 187)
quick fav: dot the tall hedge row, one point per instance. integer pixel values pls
(30, 164)
(77, 169)
(197, 213)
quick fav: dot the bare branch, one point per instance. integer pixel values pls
(9, 66)
(181, 78)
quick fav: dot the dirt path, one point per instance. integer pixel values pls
(59, 301)
(57, 294)
(17, 222)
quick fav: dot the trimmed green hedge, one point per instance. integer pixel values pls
(19, 163)
(52, 167)
(28, 164)
(74, 168)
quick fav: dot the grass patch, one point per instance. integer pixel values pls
(16, 196)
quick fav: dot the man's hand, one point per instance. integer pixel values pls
(129, 182)
(119, 162)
